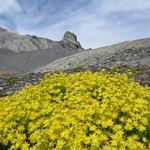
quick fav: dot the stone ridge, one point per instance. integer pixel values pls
(19, 43)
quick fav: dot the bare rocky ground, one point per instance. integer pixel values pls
(11, 83)
(132, 53)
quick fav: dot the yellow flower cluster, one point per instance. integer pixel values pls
(81, 111)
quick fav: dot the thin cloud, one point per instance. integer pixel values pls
(109, 6)
(9, 6)
(96, 23)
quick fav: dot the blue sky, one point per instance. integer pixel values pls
(95, 22)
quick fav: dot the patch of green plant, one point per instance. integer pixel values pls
(12, 81)
(77, 68)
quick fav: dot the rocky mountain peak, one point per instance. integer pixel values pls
(70, 36)
(24, 53)
(70, 39)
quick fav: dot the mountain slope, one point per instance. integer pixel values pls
(132, 53)
(24, 53)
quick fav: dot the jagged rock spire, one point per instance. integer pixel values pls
(70, 36)
(70, 39)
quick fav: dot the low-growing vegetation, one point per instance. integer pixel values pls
(81, 111)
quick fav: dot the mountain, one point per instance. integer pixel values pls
(30, 56)
(24, 53)
(131, 53)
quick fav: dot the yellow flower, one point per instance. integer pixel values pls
(78, 111)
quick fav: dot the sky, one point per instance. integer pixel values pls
(95, 22)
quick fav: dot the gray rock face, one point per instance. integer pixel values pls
(70, 40)
(69, 36)
(19, 43)
(24, 53)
